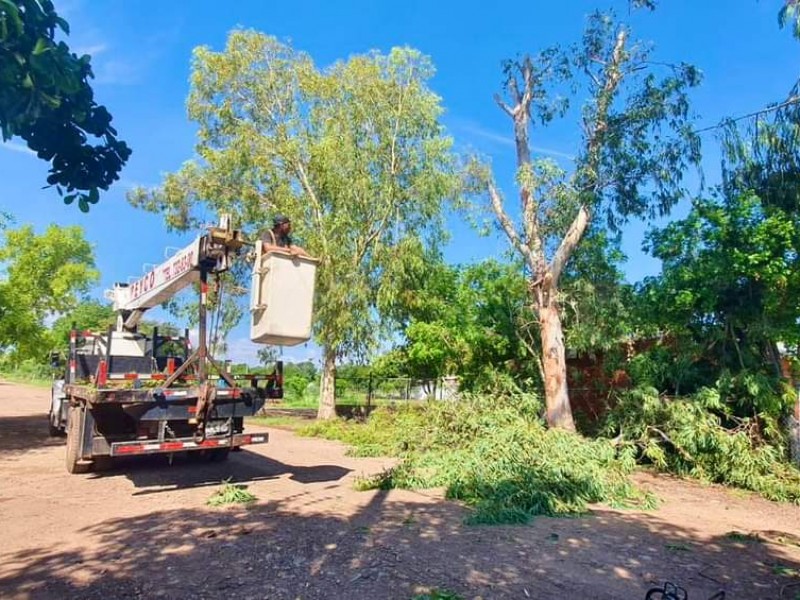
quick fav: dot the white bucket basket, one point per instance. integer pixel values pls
(282, 298)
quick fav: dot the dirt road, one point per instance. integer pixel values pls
(143, 530)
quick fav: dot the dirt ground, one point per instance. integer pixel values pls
(143, 530)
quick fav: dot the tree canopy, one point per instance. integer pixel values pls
(45, 276)
(354, 154)
(46, 100)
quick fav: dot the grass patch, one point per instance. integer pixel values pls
(14, 377)
(280, 422)
(290, 401)
(738, 536)
(438, 595)
(785, 571)
(231, 493)
(493, 454)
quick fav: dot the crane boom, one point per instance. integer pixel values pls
(212, 251)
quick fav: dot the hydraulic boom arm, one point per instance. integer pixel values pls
(213, 252)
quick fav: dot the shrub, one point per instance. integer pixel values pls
(701, 437)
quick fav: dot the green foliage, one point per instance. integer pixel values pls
(28, 371)
(730, 272)
(635, 144)
(231, 493)
(597, 303)
(307, 370)
(46, 275)
(282, 422)
(295, 387)
(701, 437)
(353, 153)
(299, 385)
(46, 99)
(224, 307)
(387, 432)
(494, 454)
(790, 15)
(726, 298)
(726, 303)
(91, 315)
(468, 321)
(670, 369)
(438, 594)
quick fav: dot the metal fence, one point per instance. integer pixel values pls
(375, 390)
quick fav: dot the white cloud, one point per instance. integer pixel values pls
(118, 72)
(92, 50)
(470, 128)
(16, 148)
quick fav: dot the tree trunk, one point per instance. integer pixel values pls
(559, 412)
(327, 392)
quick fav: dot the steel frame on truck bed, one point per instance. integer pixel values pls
(122, 405)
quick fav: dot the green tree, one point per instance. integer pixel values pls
(353, 153)
(729, 285)
(46, 99)
(597, 303)
(636, 142)
(45, 276)
(91, 315)
(467, 321)
(224, 308)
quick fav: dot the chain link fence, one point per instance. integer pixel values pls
(372, 390)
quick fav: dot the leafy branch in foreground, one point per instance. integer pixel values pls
(231, 493)
(700, 437)
(495, 455)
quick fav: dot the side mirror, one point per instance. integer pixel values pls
(55, 360)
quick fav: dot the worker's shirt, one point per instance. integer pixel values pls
(283, 241)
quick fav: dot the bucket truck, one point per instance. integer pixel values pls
(125, 393)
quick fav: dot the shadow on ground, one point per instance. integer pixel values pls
(393, 549)
(26, 432)
(162, 473)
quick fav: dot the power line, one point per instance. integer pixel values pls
(788, 102)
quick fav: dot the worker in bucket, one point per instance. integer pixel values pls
(279, 238)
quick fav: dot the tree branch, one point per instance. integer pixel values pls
(506, 108)
(605, 96)
(316, 204)
(514, 88)
(527, 76)
(508, 227)
(569, 242)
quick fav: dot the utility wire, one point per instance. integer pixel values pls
(788, 102)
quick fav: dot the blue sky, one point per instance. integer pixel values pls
(141, 52)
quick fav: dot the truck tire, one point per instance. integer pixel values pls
(52, 430)
(75, 464)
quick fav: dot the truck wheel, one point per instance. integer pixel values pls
(75, 464)
(52, 429)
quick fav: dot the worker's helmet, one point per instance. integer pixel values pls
(280, 220)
